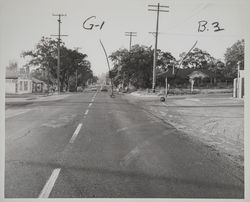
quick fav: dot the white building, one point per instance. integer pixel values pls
(17, 85)
(20, 84)
(239, 90)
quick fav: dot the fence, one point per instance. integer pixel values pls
(238, 91)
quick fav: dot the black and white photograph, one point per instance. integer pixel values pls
(124, 99)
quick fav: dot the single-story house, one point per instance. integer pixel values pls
(38, 86)
(188, 76)
(17, 85)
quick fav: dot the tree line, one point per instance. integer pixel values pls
(135, 66)
(75, 69)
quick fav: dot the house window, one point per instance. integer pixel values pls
(25, 85)
(21, 85)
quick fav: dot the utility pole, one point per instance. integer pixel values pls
(77, 48)
(130, 34)
(158, 7)
(58, 48)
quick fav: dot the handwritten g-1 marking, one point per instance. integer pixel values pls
(90, 26)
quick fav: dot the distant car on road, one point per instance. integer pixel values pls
(104, 88)
(79, 89)
(93, 89)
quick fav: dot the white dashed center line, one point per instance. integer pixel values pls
(75, 133)
(86, 112)
(164, 103)
(50, 184)
(51, 181)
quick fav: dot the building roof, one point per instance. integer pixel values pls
(37, 80)
(186, 73)
(197, 74)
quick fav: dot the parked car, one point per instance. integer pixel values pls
(104, 88)
(79, 89)
(93, 88)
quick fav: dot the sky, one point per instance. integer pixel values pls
(24, 22)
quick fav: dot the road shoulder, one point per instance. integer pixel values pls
(219, 122)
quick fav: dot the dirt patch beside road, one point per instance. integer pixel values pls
(215, 120)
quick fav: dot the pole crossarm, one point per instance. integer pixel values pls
(58, 35)
(130, 34)
(59, 14)
(157, 10)
(154, 33)
(157, 6)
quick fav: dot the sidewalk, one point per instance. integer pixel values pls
(30, 98)
(16, 104)
(215, 120)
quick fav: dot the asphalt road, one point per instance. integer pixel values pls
(91, 145)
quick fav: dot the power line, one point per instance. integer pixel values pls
(130, 34)
(157, 9)
(59, 35)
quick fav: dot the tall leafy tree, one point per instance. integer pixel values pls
(12, 67)
(233, 55)
(198, 59)
(44, 59)
(135, 66)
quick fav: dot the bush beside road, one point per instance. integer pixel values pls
(217, 120)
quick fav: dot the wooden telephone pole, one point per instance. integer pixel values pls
(158, 7)
(130, 34)
(59, 35)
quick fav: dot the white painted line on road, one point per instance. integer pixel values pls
(130, 156)
(12, 113)
(86, 112)
(92, 100)
(122, 129)
(193, 99)
(90, 104)
(49, 184)
(75, 133)
(94, 95)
